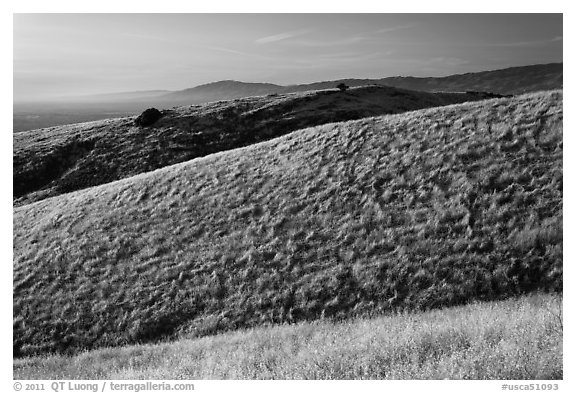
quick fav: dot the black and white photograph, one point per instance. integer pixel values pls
(287, 196)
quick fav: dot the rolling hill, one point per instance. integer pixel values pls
(62, 159)
(412, 211)
(514, 80)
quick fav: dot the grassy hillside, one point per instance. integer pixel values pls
(513, 339)
(57, 160)
(413, 211)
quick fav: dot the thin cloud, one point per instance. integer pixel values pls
(282, 36)
(227, 50)
(235, 52)
(526, 43)
(349, 56)
(326, 44)
(394, 28)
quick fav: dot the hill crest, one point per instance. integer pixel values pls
(514, 80)
(67, 158)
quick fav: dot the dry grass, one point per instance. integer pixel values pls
(414, 211)
(513, 339)
(58, 160)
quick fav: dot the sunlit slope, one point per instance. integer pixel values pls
(420, 210)
(62, 159)
(519, 338)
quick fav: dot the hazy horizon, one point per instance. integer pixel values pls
(59, 55)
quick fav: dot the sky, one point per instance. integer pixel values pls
(62, 55)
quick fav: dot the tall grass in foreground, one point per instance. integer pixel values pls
(513, 339)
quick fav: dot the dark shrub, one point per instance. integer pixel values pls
(342, 87)
(148, 117)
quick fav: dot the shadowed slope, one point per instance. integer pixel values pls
(419, 210)
(57, 160)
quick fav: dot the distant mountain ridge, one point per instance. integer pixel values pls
(509, 81)
(514, 80)
(227, 85)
